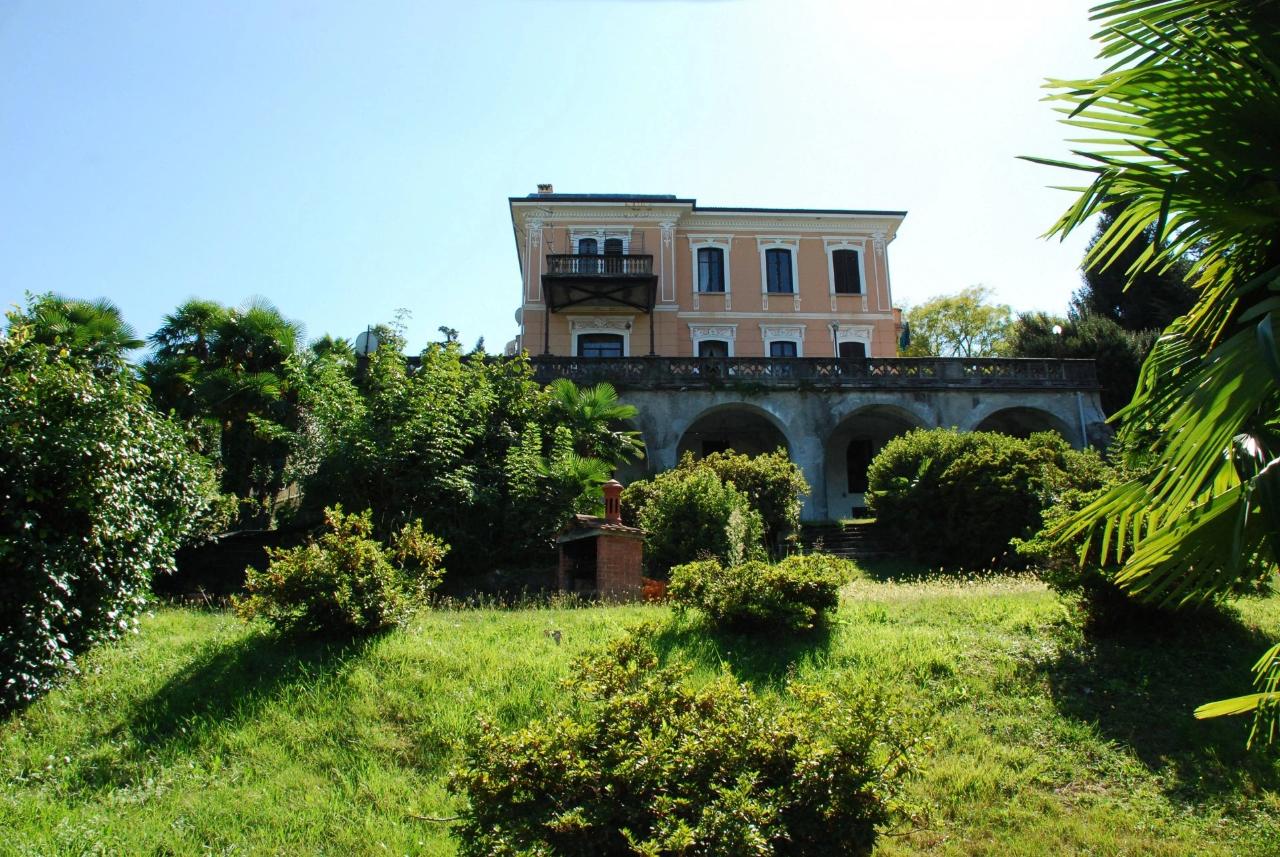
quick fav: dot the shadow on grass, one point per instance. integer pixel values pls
(219, 688)
(1139, 687)
(763, 660)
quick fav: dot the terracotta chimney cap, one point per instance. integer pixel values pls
(612, 502)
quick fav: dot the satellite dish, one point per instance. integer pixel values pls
(366, 343)
(519, 315)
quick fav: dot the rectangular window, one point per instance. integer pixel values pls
(713, 348)
(848, 278)
(600, 345)
(856, 350)
(777, 267)
(710, 269)
(783, 348)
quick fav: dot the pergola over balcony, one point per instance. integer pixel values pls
(574, 280)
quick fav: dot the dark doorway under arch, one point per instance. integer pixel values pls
(1024, 422)
(741, 429)
(850, 449)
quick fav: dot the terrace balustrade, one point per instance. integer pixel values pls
(820, 372)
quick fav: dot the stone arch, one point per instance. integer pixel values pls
(851, 446)
(739, 426)
(1024, 421)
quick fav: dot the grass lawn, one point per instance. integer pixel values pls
(204, 736)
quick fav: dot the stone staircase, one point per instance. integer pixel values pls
(852, 541)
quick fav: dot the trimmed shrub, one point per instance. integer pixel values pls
(773, 483)
(640, 763)
(98, 492)
(690, 513)
(794, 594)
(958, 499)
(345, 582)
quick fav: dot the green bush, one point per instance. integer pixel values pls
(640, 763)
(958, 499)
(98, 492)
(346, 581)
(690, 513)
(794, 594)
(772, 482)
(1088, 584)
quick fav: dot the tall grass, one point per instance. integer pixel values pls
(202, 735)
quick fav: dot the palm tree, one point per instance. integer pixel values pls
(224, 370)
(92, 329)
(1183, 142)
(594, 416)
(182, 350)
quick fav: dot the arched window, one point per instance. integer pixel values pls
(777, 265)
(613, 255)
(710, 269)
(588, 250)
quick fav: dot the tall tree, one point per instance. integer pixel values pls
(1183, 137)
(223, 371)
(967, 324)
(94, 330)
(1118, 353)
(1135, 298)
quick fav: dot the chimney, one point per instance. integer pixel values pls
(613, 501)
(545, 188)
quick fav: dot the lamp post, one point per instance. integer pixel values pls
(1057, 349)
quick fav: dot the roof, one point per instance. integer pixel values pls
(672, 198)
(588, 526)
(603, 197)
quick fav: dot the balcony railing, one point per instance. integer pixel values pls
(603, 265)
(819, 372)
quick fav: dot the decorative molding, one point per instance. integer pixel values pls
(783, 331)
(615, 324)
(853, 333)
(622, 233)
(619, 324)
(699, 332)
(771, 333)
(727, 333)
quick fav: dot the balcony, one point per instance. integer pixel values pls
(581, 280)
(827, 373)
(599, 266)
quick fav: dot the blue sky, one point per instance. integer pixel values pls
(344, 160)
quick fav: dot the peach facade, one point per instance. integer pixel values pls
(742, 304)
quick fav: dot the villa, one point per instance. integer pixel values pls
(754, 328)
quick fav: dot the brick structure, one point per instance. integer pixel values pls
(601, 556)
